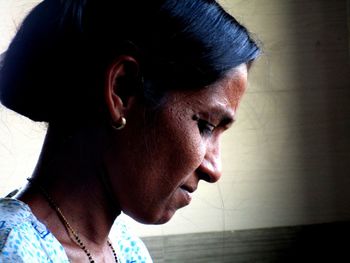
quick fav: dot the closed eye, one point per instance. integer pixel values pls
(205, 127)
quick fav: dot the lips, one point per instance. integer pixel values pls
(187, 197)
(187, 192)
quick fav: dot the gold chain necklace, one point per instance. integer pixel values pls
(72, 234)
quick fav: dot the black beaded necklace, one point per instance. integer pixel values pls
(72, 233)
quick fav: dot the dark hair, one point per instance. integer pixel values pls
(56, 64)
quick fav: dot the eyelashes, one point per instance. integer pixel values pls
(205, 127)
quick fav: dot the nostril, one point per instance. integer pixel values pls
(204, 176)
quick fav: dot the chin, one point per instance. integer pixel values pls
(154, 218)
(165, 218)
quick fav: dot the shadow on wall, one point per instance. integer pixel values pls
(321, 71)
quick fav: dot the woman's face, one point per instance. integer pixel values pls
(154, 167)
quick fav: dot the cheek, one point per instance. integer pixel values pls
(185, 142)
(187, 156)
(195, 148)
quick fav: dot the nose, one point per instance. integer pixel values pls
(210, 168)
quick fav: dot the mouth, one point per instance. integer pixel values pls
(188, 192)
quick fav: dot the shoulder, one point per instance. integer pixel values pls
(15, 217)
(22, 237)
(13, 212)
(129, 247)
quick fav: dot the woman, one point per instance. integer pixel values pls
(136, 96)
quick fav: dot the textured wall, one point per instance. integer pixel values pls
(286, 159)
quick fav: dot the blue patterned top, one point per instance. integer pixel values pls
(23, 238)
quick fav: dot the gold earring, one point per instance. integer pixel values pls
(121, 125)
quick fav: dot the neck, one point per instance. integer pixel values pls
(71, 172)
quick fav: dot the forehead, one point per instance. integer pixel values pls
(231, 88)
(223, 94)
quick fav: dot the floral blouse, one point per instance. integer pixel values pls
(23, 238)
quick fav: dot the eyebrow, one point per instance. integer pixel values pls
(227, 121)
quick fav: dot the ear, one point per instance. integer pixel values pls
(121, 82)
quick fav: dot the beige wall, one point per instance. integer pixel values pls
(292, 143)
(286, 159)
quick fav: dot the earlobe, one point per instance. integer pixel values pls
(119, 86)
